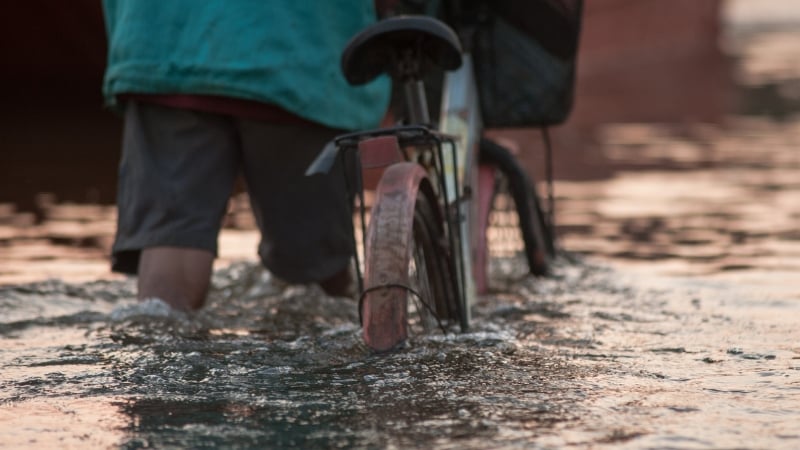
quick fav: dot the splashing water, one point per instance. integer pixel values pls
(582, 358)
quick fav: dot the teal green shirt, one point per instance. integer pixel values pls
(283, 52)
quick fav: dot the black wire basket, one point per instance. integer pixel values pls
(525, 58)
(524, 53)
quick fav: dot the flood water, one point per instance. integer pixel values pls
(593, 357)
(670, 321)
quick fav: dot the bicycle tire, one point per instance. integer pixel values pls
(410, 282)
(539, 246)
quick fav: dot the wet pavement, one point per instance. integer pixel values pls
(670, 321)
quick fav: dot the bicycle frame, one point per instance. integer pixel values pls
(432, 197)
(437, 162)
(460, 117)
(453, 175)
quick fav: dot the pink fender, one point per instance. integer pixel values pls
(384, 305)
(480, 265)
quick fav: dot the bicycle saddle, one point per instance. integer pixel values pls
(406, 47)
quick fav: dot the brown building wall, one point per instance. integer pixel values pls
(652, 60)
(640, 60)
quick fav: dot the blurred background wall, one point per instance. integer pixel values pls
(651, 60)
(55, 135)
(640, 60)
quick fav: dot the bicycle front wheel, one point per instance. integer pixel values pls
(512, 192)
(410, 282)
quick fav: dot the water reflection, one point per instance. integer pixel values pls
(68, 423)
(734, 208)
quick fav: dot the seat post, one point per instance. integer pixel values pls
(416, 102)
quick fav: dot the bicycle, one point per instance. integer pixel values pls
(434, 186)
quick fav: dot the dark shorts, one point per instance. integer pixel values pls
(178, 171)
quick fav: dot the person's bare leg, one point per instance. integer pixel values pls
(179, 276)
